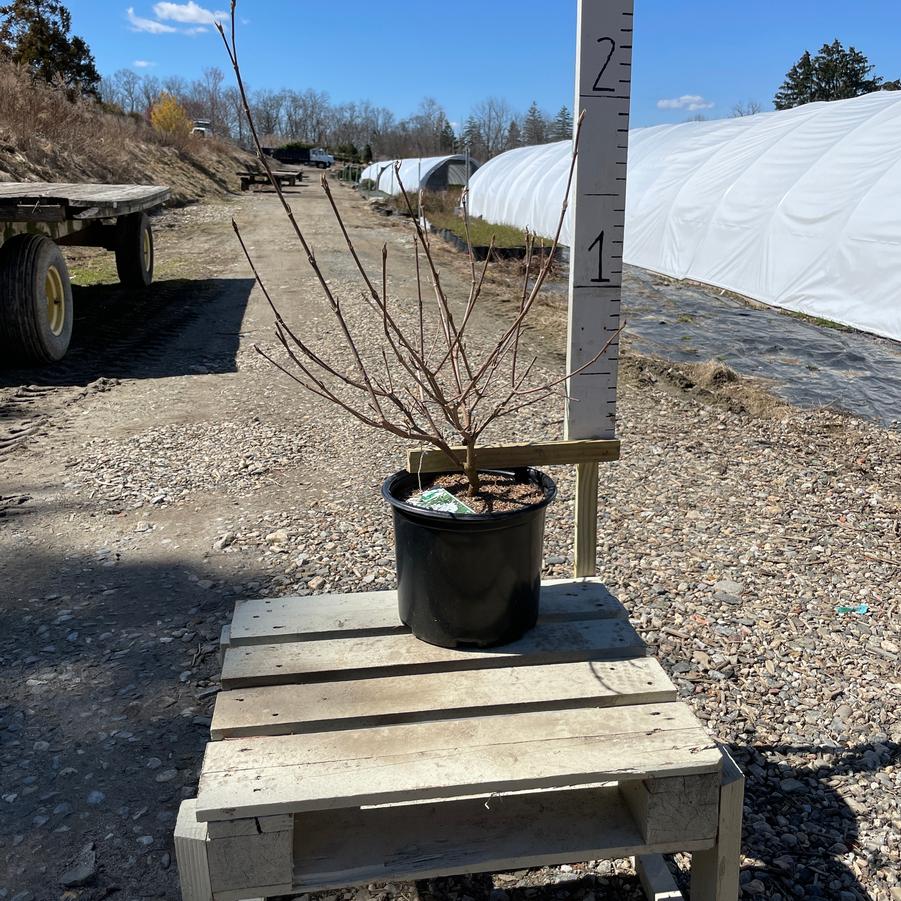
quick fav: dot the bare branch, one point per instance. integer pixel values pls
(392, 378)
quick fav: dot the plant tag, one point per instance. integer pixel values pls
(440, 500)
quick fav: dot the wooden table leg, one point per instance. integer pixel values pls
(586, 551)
(714, 873)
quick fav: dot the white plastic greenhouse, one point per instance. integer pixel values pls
(800, 209)
(430, 173)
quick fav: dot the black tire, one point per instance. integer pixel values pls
(321, 166)
(134, 250)
(36, 309)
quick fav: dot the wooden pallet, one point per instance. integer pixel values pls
(345, 752)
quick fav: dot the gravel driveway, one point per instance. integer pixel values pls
(164, 470)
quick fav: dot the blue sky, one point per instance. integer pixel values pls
(693, 56)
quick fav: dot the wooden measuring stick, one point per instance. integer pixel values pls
(603, 90)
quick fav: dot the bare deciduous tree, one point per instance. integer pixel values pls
(212, 98)
(267, 110)
(234, 114)
(492, 118)
(150, 92)
(128, 88)
(751, 108)
(426, 382)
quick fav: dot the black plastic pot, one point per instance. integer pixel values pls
(470, 580)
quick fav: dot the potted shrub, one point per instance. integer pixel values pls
(468, 542)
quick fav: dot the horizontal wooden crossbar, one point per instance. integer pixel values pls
(549, 453)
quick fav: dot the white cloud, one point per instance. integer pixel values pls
(143, 64)
(690, 102)
(198, 30)
(189, 13)
(148, 25)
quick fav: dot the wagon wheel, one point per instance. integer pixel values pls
(134, 250)
(35, 299)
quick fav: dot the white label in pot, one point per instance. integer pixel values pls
(440, 500)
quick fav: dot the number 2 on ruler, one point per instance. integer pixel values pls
(599, 243)
(597, 81)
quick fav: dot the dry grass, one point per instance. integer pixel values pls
(711, 382)
(46, 136)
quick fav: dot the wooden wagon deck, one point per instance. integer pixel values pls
(58, 202)
(345, 751)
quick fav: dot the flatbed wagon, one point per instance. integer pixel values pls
(249, 178)
(36, 311)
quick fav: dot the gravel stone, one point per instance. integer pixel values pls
(82, 871)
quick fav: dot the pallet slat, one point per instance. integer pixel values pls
(287, 709)
(341, 848)
(395, 655)
(274, 620)
(262, 776)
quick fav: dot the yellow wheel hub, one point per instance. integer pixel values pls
(56, 300)
(148, 249)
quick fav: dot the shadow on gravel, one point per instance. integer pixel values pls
(175, 327)
(576, 885)
(799, 826)
(108, 673)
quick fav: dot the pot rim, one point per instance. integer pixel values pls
(536, 475)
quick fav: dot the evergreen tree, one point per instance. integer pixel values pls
(562, 129)
(35, 34)
(447, 140)
(833, 74)
(472, 138)
(514, 136)
(799, 86)
(367, 153)
(534, 129)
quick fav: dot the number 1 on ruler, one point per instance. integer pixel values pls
(599, 243)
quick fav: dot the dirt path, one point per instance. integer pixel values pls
(138, 482)
(164, 470)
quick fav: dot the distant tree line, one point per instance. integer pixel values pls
(36, 34)
(358, 130)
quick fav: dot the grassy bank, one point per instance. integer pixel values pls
(45, 136)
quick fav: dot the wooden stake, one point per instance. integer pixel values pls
(603, 79)
(586, 520)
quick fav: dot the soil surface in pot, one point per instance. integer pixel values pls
(499, 493)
